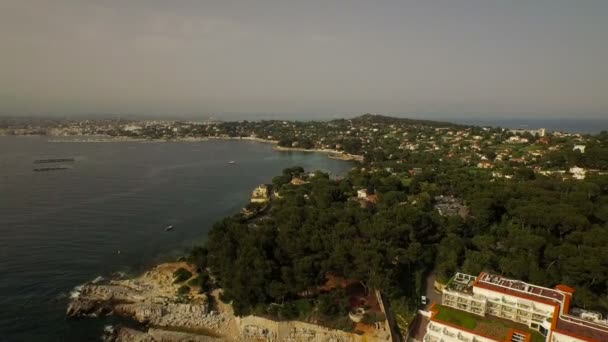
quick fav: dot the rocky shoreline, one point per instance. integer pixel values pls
(152, 301)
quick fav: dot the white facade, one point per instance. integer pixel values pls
(542, 309)
(261, 194)
(578, 172)
(581, 148)
(482, 301)
(530, 313)
(438, 332)
(362, 193)
(557, 337)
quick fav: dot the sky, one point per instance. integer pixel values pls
(447, 58)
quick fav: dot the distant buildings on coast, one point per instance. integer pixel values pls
(541, 132)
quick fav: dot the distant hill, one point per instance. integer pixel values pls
(389, 120)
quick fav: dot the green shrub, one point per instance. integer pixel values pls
(334, 303)
(273, 310)
(181, 275)
(304, 307)
(183, 290)
(198, 257)
(202, 282)
(194, 282)
(342, 323)
(288, 311)
(372, 317)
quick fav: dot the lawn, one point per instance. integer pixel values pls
(488, 326)
(537, 337)
(457, 317)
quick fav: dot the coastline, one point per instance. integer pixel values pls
(112, 139)
(334, 154)
(151, 300)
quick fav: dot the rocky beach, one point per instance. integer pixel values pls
(152, 304)
(152, 300)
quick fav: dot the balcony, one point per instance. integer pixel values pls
(461, 337)
(524, 313)
(505, 301)
(434, 328)
(477, 312)
(430, 338)
(448, 333)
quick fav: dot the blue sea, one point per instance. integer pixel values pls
(62, 228)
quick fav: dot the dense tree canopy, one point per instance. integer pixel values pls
(526, 216)
(542, 230)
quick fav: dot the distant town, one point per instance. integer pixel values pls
(384, 142)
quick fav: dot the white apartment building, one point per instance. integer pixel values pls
(578, 172)
(580, 148)
(538, 313)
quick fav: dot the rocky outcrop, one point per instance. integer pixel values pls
(253, 328)
(158, 335)
(95, 300)
(151, 300)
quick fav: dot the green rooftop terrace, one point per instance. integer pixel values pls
(489, 326)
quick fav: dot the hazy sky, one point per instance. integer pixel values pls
(449, 58)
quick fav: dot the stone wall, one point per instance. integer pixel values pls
(253, 328)
(389, 324)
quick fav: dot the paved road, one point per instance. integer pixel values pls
(431, 294)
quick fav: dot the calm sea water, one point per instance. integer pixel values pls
(59, 229)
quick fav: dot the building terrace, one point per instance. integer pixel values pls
(519, 288)
(461, 282)
(539, 310)
(490, 327)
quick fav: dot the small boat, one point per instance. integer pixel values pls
(168, 228)
(42, 169)
(232, 162)
(53, 160)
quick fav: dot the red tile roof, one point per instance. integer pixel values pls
(588, 331)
